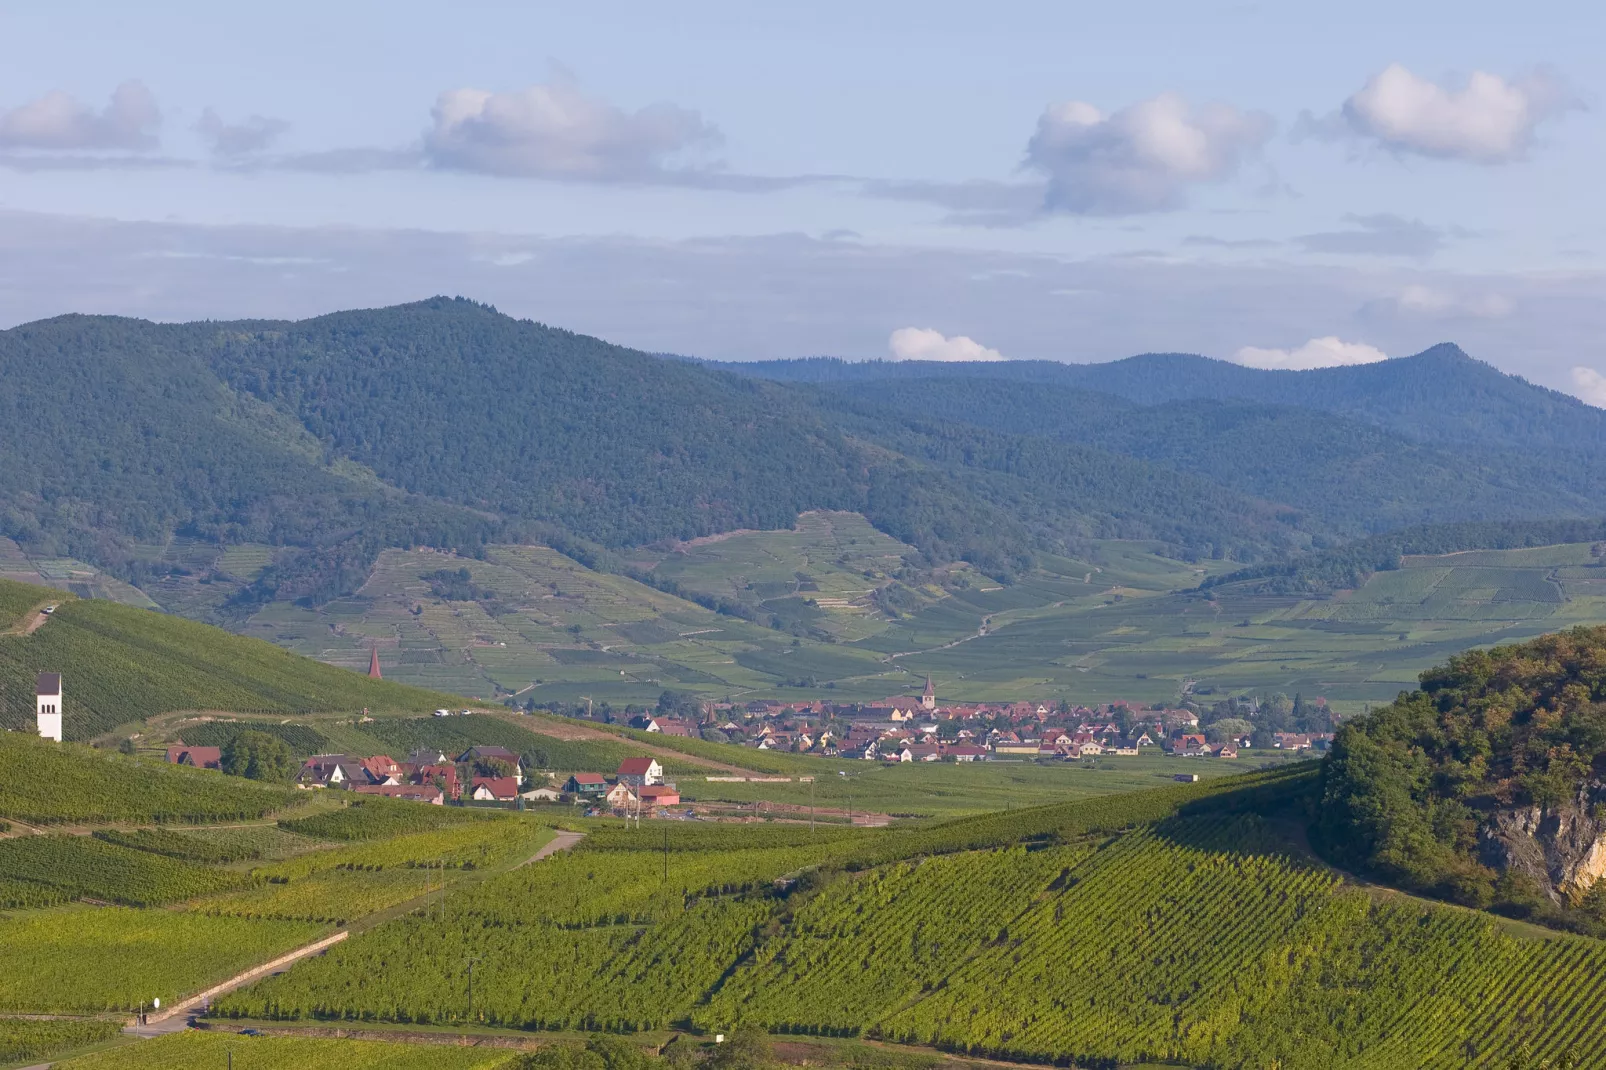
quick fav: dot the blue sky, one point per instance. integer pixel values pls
(1274, 184)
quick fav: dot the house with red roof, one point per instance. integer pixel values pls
(200, 757)
(424, 793)
(494, 789)
(586, 784)
(639, 772)
(659, 795)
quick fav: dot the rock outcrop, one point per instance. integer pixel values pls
(1562, 848)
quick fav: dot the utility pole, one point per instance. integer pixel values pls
(471, 963)
(811, 808)
(666, 854)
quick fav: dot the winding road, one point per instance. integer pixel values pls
(176, 1018)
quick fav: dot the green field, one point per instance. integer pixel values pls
(831, 619)
(78, 959)
(1202, 935)
(23, 1039)
(206, 1051)
(1119, 623)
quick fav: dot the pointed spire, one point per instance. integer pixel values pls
(373, 663)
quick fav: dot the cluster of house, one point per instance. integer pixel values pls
(908, 728)
(431, 776)
(639, 784)
(428, 775)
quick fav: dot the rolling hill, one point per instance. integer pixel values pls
(123, 664)
(300, 481)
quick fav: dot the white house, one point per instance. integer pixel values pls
(640, 772)
(47, 705)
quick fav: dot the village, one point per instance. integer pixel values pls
(918, 729)
(902, 729)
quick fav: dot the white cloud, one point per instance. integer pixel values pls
(1487, 119)
(1433, 302)
(1141, 158)
(923, 343)
(1590, 386)
(59, 121)
(556, 131)
(1328, 352)
(250, 135)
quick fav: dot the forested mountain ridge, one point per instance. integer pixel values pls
(1439, 395)
(1351, 476)
(445, 423)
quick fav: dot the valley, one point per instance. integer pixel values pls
(825, 617)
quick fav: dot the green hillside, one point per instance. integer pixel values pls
(829, 610)
(331, 439)
(121, 664)
(1343, 471)
(1183, 927)
(44, 782)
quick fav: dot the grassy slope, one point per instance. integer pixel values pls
(121, 664)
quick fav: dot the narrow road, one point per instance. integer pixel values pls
(33, 620)
(177, 1017)
(561, 842)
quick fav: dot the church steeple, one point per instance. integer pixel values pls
(373, 663)
(928, 700)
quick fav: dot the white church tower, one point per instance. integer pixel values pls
(48, 705)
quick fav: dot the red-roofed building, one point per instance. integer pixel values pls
(659, 795)
(382, 769)
(200, 757)
(638, 772)
(445, 773)
(586, 784)
(424, 793)
(494, 789)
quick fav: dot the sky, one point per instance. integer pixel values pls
(1275, 184)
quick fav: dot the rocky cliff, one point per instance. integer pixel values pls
(1562, 847)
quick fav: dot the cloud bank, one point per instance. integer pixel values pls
(1383, 234)
(1487, 119)
(59, 121)
(922, 343)
(1328, 352)
(1142, 158)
